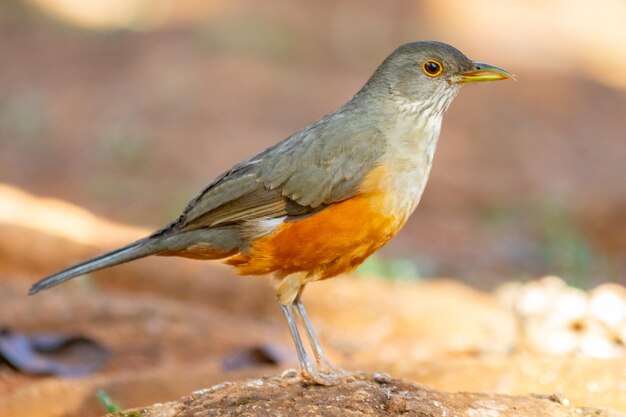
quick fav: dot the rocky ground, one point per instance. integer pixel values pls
(365, 395)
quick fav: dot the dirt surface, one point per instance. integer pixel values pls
(365, 395)
(176, 326)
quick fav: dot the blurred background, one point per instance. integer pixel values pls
(129, 107)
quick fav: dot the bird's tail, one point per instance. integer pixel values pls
(139, 249)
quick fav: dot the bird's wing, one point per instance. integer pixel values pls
(323, 164)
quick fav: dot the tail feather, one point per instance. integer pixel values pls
(136, 250)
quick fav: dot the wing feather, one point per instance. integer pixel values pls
(316, 167)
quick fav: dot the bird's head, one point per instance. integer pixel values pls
(427, 74)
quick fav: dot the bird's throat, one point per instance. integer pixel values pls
(409, 158)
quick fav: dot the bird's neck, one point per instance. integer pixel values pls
(412, 126)
(412, 139)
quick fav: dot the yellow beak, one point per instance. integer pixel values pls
(482, 72)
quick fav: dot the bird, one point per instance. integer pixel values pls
(321, 201)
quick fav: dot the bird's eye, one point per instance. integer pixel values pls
(432, 68)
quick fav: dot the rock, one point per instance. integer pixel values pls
(363, 395)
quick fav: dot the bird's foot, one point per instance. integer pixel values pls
(321, 378)
(325, 368)
(314, 376)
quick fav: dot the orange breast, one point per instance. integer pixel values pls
(328, 243)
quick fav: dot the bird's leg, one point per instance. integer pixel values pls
(306, 367)
(323, 364)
